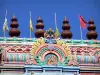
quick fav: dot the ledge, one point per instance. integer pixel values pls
(11, 67)
(31, 40)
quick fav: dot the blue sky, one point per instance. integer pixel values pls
(46, 9)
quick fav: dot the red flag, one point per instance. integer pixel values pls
(82, 22)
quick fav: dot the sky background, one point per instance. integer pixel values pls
(46, 9)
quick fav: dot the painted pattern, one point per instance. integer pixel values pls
(23, 53)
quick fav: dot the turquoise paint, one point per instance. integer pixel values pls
(11, 57)
(45, 49)
(17, 57)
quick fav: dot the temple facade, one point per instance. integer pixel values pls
(24, 56)
(48, 55)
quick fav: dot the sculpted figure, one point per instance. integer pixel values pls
(52, 60)
(73, 62)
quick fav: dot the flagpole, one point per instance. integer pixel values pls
(4, 33)
(30, 33)
(55, 24)
(57, 30)
(30, 28)
(6, 13)
(5, 29)
(55, 20)
(81, 32)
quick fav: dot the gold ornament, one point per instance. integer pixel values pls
(35, 45)
(59, 42)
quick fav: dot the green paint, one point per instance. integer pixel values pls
(82, 42)
(17, 57)
(24, 39)
(61, 64)
(34, 40)
(66, 60)
(14, 39)
(4, 38)
(42, 51)
(0, 50)
(40, 63)
(91, 42)
(45, 49)
(91, 59)
(24, 57)
(11, 57)
(37, 59)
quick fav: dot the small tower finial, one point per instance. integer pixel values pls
(91, 34)
(14, 16)
(65, 19)
(90, 18)
(39, 17)
(66, 34)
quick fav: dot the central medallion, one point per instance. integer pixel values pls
(51, 59)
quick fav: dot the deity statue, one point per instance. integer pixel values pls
(73, 62)
(52, 60)
(50, 35)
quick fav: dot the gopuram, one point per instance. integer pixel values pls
(46, 54)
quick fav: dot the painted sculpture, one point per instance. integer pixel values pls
(40, 48)
(46, 51)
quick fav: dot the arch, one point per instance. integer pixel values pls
(54, 52)
(45, 45)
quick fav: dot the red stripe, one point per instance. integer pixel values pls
(83, 19)
(82, 22)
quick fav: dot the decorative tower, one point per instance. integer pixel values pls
(66, 34)
(39, 26)
(14, 32)
(91, 28)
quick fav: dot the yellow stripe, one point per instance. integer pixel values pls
(31, 27)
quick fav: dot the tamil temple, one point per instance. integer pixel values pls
(47, 55)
